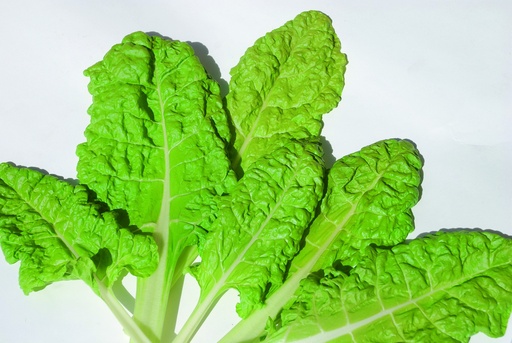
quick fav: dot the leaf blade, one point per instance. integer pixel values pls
(369, 198)
(283, 85)
(58, 234)
(444, 287)
(156, 148)
(341, 218)
(258, 230)
(270, 208)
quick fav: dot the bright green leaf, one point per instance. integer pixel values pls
(368, 201)
(152, 140)
(156, 148)
(284, 84)
(441, 288)
(259, 228)
(58, 234)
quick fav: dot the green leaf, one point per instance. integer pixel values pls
(441, 288)
(368, 200)
(262, 222)
(156, 148)
(152, 139)
(258, 229)
(58, 234)
(284, 84)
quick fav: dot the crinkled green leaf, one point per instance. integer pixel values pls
(58, 234)
(152, 141)
(441, 288)
(259, 228)
(368, 200)
(278, 93)
(156, 148)
(284, 84)
(261, 223)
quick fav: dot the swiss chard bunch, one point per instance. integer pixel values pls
(171, 171)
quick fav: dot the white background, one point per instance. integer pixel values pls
(435, 72)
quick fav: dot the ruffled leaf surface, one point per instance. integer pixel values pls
(283, 85)
(156, 148)
(260, 225)
(441, 288)
(368, 201)
(157, 132)
(58, 234)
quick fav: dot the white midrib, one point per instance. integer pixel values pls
(154, 290)
(161, 232)
(248, 138)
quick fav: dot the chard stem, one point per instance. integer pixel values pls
(152, 300)
(158, 296)
(197, 317)
(129, 325)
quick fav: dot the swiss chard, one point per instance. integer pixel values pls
(171, 172)
(439, 288)
(154, 146)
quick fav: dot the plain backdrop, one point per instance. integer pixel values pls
(435, 72)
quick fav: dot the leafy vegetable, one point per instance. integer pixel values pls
(368, 199)
(152, 149)
(59, 232)
(258, 231)
(283, 85)
(440, 288)
(171, 172)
